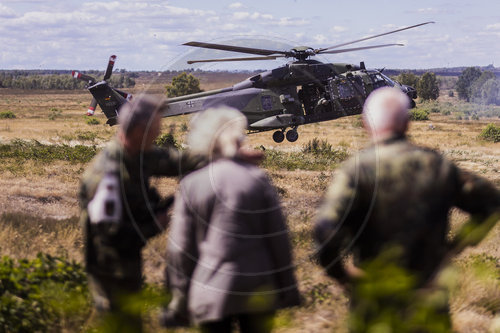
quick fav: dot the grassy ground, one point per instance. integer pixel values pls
(39, 208)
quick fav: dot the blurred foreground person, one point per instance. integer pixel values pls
(388, 208)
(120, 210)
(229, 256)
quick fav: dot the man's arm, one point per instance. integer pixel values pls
(172, 162)
(481, 199)
(332, 229)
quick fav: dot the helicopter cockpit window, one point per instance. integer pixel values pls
(378, 80)
(388, 80)
(345, 90)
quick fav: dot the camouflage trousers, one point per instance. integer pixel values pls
(113, 301)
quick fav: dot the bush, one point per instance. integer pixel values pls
(91, 121)
(43, 294)
(7, 115)
(491, 133)
(322, 157)
(419, 115)
(183, 84)
(34, 150)
(317, 147)
(55, 113)
(167, 140)
(428, 86)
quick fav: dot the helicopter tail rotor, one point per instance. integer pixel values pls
(109, 69)
(92, 106)
(80, 76)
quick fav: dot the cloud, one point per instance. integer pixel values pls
(427, 10)
(338, 28)
(495, 26)
(6, 12)
(290, 21)
(236, 5)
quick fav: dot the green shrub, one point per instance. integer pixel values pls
(34, 150)
(315, 161)
(491, 133)
(86, 136)
(167, 140)
(91, 121)
(7, 115)
(55, 113)
(184, 127)
(43, 294)
(419, 115)
(317, 147)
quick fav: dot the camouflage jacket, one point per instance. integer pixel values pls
(116, 251)
(397, 194)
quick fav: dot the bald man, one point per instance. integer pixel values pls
(388, 208)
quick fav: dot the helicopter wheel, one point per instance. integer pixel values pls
(292, 135)
(278, 136)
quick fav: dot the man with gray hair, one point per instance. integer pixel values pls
(388, 208)
(120, 210)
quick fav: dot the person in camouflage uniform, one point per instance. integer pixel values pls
(388, 208)
(113, 250)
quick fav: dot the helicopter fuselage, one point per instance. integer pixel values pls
(298, 93)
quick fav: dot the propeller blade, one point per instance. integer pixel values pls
(232, 48)
(358, 48)
(236, 59)
(371, 37)
(91, 109)
(80, 76)
(109, 70)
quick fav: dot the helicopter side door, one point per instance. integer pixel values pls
(347, 94)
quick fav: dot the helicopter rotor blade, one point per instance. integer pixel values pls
(92, 106)
(80, 76)
(232, 48)
(236, 59)
(358, 48)
(370, 37)
(109, 70)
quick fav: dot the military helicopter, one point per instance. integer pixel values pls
(303, 91)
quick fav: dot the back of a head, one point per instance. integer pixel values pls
(139, 112)
(385, 113)
(217, 132)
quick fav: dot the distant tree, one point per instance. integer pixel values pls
(490, 92)
(183, 84)
(408, 79)
(428, 86)
(476, 88)
(465, 80)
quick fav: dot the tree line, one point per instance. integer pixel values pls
(29, 81)
(473, 85)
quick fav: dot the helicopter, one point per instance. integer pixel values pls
(301, 92)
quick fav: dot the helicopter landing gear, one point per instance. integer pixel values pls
(278, 136)
(292, 135)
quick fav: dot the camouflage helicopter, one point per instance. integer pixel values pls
(302, 92)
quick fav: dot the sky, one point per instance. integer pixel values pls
(148, 35)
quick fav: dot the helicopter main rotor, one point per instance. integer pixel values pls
(300, 53)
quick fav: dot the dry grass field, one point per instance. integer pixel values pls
(39, 208)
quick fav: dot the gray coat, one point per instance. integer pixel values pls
(228, 246)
